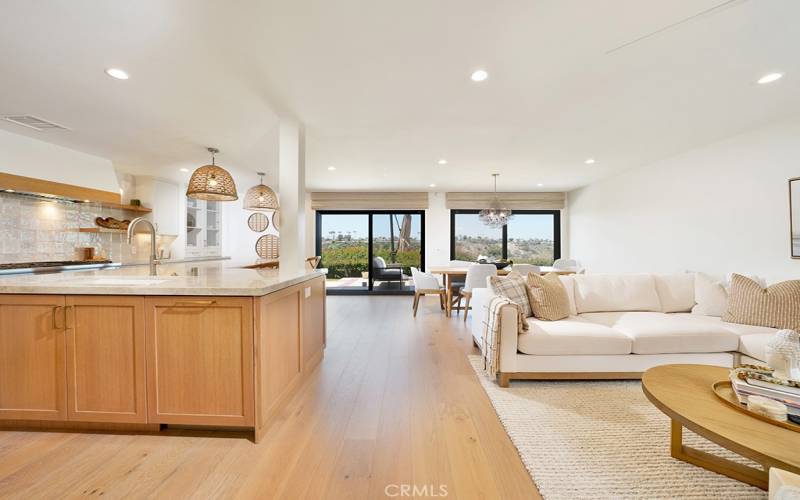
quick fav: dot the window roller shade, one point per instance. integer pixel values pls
(322, 200)
(514, 201)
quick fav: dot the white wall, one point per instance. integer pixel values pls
(437, 231)
(721, 208)
(21, 155)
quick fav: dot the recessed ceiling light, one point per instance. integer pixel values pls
(184, 169)
(770, 78)
(86, 201)
(442, 162)
(540, 184)
(589, 161)
(331, 168)
(9, 190)
(432, 185)
(117, 73)
(479, 75)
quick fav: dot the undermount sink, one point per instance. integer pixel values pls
(124, 281)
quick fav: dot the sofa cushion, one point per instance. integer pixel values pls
(571, 335)
(710, 296)
(752, 339)
(659, 333)
(569, 285)
(548, 297)
(615, 292)
(675, 291)
(777, 306)
(755, 345)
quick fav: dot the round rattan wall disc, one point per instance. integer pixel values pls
(258, 222)
(276, 219)
(268, 246)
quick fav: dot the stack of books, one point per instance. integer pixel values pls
(747, 383)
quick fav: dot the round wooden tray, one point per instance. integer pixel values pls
(725, 392)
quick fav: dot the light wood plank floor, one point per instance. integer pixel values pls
(395, 402)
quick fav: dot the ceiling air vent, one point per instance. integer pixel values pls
(33, 122)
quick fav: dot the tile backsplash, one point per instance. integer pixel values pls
(36, 230)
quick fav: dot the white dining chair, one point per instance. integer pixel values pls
(477, 275)
(425, 284)
(525, 269)
(565, 264)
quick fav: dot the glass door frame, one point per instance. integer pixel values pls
(369, 214)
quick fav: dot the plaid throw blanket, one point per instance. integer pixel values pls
(491, 332)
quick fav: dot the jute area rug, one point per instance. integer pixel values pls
(602, 440)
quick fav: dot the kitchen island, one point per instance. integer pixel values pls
(206, 344)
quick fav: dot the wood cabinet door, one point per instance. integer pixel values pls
(32, 356)
(279, 356)
(105, 359)
(313, 330)
(200, 360)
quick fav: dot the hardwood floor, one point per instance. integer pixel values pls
(394, 403)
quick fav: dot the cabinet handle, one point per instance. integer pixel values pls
(195, 303)
(55, 318)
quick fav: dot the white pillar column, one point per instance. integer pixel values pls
(292, 194)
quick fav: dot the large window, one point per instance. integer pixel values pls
(532, 237)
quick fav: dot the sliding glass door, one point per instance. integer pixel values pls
(343, 243)
(370, 251)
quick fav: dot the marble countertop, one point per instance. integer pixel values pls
(217, 278)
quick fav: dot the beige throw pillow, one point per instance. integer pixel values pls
(777, 306)
(548, 297)
(710, 295)
(513, 288)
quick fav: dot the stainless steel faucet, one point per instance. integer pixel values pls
(153, 257)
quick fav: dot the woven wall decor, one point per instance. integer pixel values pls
(268, 246)
(258, 222)
(276, 218)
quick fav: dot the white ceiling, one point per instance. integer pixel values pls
(384, 89)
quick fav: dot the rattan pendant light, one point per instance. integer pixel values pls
(261, 197)
(211, 182)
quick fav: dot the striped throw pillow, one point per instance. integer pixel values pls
(777, 306)
(513, 288)
(548, 297)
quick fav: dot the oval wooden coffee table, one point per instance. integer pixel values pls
(684, 394)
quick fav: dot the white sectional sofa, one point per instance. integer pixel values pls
(619, 326)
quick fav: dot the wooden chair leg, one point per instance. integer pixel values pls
(416, 303)
(466, 308)
(458, 305)
(441, 300)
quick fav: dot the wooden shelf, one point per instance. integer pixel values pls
(101, 230)
(127, 208)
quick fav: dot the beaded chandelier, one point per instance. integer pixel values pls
(495, 215)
